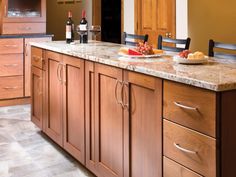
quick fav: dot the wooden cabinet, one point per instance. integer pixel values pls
(23, 16)
(73, 107)
(27, 63)
(37, 97)
(65, 119)
(142, 102)
(119, 129)
(53, 93)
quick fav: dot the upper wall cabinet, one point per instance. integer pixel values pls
(23, 16)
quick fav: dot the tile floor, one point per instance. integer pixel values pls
(26, 152)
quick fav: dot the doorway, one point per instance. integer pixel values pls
(107, 13)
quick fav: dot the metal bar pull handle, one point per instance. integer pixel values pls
(126, 102)
(116, 94)
(185, 107)
(25, 28)
(183, 149)
(10, 88)
(10, 65)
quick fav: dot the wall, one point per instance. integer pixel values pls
(57, 16)
(129, 16)
(208, 19)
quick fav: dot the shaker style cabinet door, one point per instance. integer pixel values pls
(37, 97)
(53, 108)
(109, 123)
(73, 107)
(143, 125)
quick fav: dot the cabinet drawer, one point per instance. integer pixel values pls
(11, 65)
(173, 169)
(189, 148)
(23, 28)
(37, 57)
(10, 46)
(11, 87)
(190, 106)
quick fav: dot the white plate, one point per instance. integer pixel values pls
(181, 60)
(139, 56)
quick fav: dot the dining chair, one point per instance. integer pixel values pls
(133, 39)
(222, 50)
(185, 42)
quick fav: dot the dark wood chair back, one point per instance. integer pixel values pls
(221, 54)
(161, 39)
(133, 39)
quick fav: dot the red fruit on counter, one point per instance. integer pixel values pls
(134, 52)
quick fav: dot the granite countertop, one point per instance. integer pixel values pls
(216, 75)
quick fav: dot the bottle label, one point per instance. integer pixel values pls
(83, 27)
(68, 32)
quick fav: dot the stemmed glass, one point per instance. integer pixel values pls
(95, 30)
(81, 32)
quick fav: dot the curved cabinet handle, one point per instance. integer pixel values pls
(126, 104)
(183, 149)
(185, 107)
(116, 94)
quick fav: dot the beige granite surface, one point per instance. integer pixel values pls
(216, 74)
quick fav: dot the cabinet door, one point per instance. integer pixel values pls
(53, 101)
(37, 97)
(109, 142)
(73, 107)
(143, 125)
(90, 116)
(27, 63)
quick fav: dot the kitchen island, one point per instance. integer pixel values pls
(135, 117)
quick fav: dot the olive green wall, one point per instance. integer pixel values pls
(57, 16)
(211, 19)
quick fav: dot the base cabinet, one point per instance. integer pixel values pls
(119, 129)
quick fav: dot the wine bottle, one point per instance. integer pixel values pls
(83, 27)
(69, 28)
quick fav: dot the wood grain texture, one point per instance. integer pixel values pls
(15, 101)
(27, 61)
(11, 65)
(108, 122)
(155, 17)
(37, 97)
(173, 169)
(23, 28)
(73, 107)
(90, 116)
(11, 87)
(227, 128)
(11, 46)
(53, 97)
(202, 120)
(144, 124)
(203, 162)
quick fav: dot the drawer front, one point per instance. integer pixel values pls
(10, 46)
(11, 87)
(23, 28)
(11, 65)
(173, 169)
(190, 148)
(37, 57)
(190, 106)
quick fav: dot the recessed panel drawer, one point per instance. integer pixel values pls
(23, 28)
(10, 46)
(173, 169)
(190, 148)
(190, 106)
(11, 87)
(11, 64)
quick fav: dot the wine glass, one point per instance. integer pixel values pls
(81, 32)
(95, 30)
